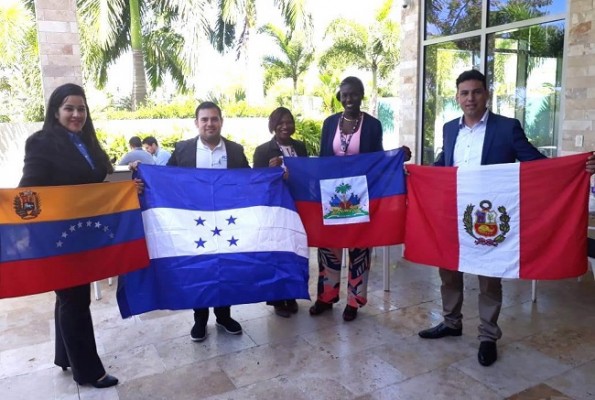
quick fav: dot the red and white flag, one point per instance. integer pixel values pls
(523, 220)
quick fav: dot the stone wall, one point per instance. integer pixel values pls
(59, 46)
(409, 78)
(578, 118)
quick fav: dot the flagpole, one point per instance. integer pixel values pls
(386, 269)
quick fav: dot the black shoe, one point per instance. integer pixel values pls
(319, 307)
(105, 382)
(198, 332)
(440, 331)
(230, 325)
(282, 311)
(487, 354)
(349, 314)
(292, 306)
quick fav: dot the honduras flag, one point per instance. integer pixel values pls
(215, 238)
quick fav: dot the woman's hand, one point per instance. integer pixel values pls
(591, 164)
(276, 162)
(407, 152)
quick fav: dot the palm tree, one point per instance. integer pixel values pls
(374, 48)
(294, 61)
(148, 28)
(21, 94)
(242, 14)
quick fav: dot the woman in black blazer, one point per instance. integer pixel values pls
(66, 152)
(270, 154)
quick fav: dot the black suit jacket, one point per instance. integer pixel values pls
(184, 154)
(270, 149)
(370, 139)
(52, 159)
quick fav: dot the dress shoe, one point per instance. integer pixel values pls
(230, 326)
(487, 354)
(440, 331)
(319, 307)
(349, 314)
(198, 332)
(282, 311)
(105, 382)
(292, 306)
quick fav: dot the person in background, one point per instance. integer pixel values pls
(270, 154)
(347, 133)
(160, 156)
(210, 150)
(66, 152)
(136, 153)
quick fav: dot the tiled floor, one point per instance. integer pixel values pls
(547, 351)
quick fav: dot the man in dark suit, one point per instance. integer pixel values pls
(210, 150)
(479, 137)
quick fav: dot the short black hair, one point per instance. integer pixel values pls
(276, 117)
(353, 81)
(135, 142)
(150, 140)
(472, 75)
(206, 105)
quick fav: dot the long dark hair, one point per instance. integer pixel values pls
(88, 134)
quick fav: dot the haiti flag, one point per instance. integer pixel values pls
(54, 237)
(351, 201)
(524, 220)
(216, 237)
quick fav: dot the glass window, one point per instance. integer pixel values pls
(507, 11)
(448, 17)
(524, 69)
(444, 62)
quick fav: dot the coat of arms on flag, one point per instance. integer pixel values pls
(345, 200)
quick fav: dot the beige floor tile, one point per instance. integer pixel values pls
(442, 384)
(271, 360)
(26, 359)
(578, 383)
(182, 350)
(189, 382)
(541, 391)
(414, 356)
(518, 367)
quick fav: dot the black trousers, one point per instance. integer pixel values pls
(201, 315)
(75, 339)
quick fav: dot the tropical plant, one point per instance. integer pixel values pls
(21, 94)
(231, 13)
(151, 30)
(295, 59)
(373, 48)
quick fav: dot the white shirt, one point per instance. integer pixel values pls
(207, 158)
(469, 144)
(161, 156)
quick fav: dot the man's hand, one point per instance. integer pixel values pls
(276, 162)
(591, 164)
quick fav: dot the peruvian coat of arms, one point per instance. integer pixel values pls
(489, 228)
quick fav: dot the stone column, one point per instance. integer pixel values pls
(59, 44)
(578, 119)
(409, 77)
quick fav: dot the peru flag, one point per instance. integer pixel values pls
(351, 201)
(523, 220)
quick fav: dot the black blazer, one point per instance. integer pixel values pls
(184, 154)
(52, 159)
(370, 139)
(270, 149)
(505, 142)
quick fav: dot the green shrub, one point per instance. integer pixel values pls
(117, 145)
(309, 132)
